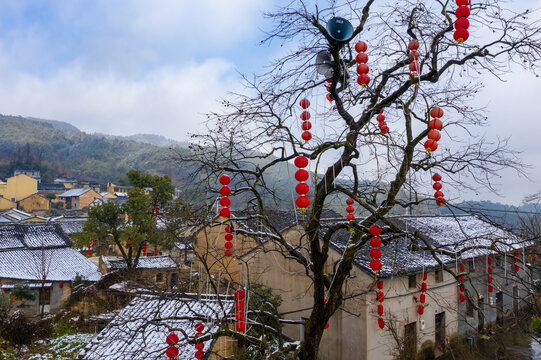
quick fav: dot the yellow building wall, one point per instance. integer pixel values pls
(18, 187)
(34, 202)
(6, 204)
(87, 198)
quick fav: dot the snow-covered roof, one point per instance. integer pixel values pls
(32, 285)
(74, 192)
(145, 262)
(65, 180)
(72, 225)
(139, 330)
(119, 201)
(444, 234)
(60, 264)
(32, 236)
(16, 215)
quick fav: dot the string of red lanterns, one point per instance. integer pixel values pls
(328, 88)
(516, 261)
(156, 210)
(438, 195)
(422, 298)
(489, 278)
(301, 162)
(350, 210)
(381, 123)
(435, 125)
(362, 69)
(228, 244)
(413, 46)
(155, 250)
(172, 351)
(380, 298)
(327, 324)
(225, 191)
(89, 252)
(305, 116)
(240, 315)
(462, 23)
(144, 249)
(461, 280)
(199, 327)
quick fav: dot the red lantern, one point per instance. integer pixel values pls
(490, 261)
(436, 112)
(199, 355)
(422, 298)
(225, 212)
(225, 201)
(380, 310)
(462, 11)
(362, 69)
(349, 201)
(380, 118)
(384, 129)
(413, 45)
(228, 236)
(329, 97)
(414, 66)
(381, 296)
(199, 346)
(434, 135)
(461, 267)
(302, 202)
(363, 79)
(425, 276)
(414, 55)
(361, 58)
(240, 316)
(172, 339)
(302, 188)
(350, 217)
(228, 253)
(361, 47)
(240, 305)
(375, 242)
(462, 2)
(225, 191)
(381, 323)
(350, 209)
(199, 327)
(375, 265)
(462, 23)
(461, 278)
(305, 115)
(228, 245)
(375, 254)
(225, 180)
(435, 124)
(305, 103)
(380, 284)
(423, 287)
(462, 298)
(241, 326)
(239, 294)
(61, 285)
(306, 136)
(437, 186)
(517, 268)
(227, 229)
(301, 175)
(489, 279)
(490, 288)
(306, 125)
(171, 352)
(375, 230)
(421, 309)
(438, 194)
(431, 145)
(490, 269)
(461, 35)
(301, 161)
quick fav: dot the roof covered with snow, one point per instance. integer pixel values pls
(32, 236)
(145, 262)
(466, 235)
(72, 225)
(139, 330)
(74, 192)
(60, 264)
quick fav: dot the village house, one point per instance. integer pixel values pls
(114, 189)
(51, 188)
(35, 203)
(153, 271)
(40, 256)
(444, 315)
(78, 198)
(36, 174)
(139, 331)
(67, 182)
(16, 188)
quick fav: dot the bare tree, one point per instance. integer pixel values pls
(258, 132)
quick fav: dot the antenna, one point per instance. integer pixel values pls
(324, 64)
(340, 29)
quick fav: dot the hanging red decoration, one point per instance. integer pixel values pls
(462, 23)
(144, 249)
(199, 355)
(171, 352)
(156, 210)
(326, 326)
(414, 57)
(421, 310)
(413, 44)
(225, 180)
(225, 201)
(381, 323)
(228, 253)
(375, 243)
(228, 245)
(305, 116)
(431, 145)
(61, 285)
(435, 124)
(225, 191)
(305, 103)
(306, 125)
(434, 135)
(155, 250)
(225, 212)
(302, 188)
(172, 339)
(438, 195)
(241, 326)
(362, 68)
(239, 294)
(381, 123)
(461, 285)
(489, 277)
(422, 298)
(240, 305)
(240, 316)
(380, 297)
(516, 261)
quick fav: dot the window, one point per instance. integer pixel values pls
(410, 340)
(159, 277)
(412, 281)
(45, 296)
(440, 333)
(438, 275)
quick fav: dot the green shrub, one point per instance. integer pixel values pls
(536, 325)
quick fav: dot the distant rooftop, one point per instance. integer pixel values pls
(74, 192)
(145, 262)
(65, 180)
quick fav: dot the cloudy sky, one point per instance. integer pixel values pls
(134, 66)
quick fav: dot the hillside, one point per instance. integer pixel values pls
(60, 150)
